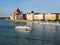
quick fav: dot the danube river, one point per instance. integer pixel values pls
(41, 34)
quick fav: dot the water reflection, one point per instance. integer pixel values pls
(29, 24)
(42, 34)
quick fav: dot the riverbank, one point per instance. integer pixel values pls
(4, 18)
(8, 19)
(29, 21)
(19, 20)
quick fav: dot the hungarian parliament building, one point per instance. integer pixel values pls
(18, 15)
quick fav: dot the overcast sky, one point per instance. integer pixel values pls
(42, 6)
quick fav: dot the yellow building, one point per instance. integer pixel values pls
(16, 15)
(59, 17)
(38, 16)
(50, 16)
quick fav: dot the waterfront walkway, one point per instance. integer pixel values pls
(22, 20)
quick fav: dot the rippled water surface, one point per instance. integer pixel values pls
(41, 34)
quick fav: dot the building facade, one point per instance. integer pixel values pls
(38, 16)
(16, 15)
(50, 16)
(34, 16)
(59, 17)
(46, 17)
(30, 16)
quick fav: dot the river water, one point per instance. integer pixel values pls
(41, 34)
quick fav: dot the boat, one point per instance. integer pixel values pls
(27, 28)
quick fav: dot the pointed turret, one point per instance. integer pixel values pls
(18, 11)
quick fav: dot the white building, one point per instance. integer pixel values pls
(12, 17)
(30, 16)
(34, 16)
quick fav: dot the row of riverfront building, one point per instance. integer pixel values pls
(18, 15)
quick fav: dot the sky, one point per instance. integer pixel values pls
(26, 6)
